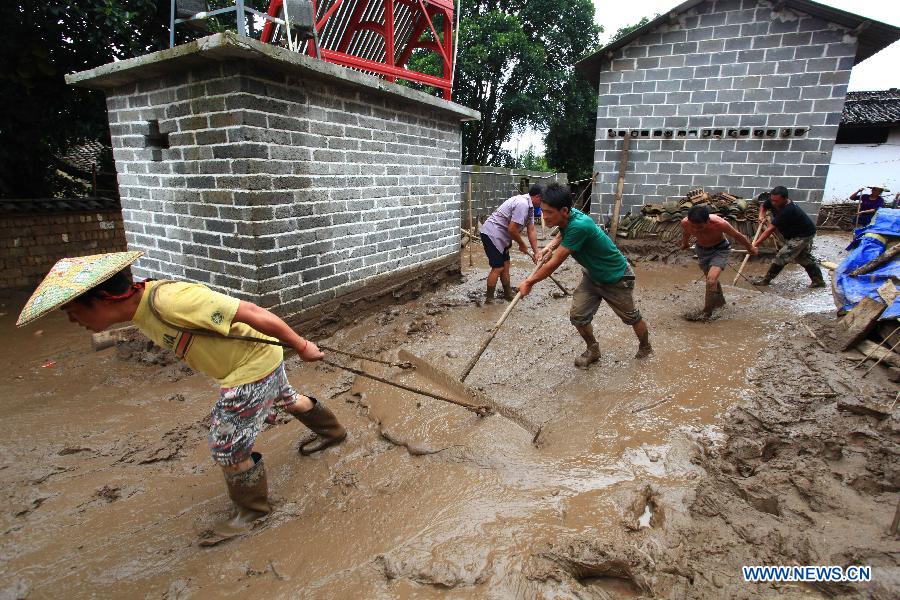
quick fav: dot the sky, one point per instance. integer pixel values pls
(878, 72)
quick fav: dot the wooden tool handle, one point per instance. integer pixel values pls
(490, 336)
(747, 258)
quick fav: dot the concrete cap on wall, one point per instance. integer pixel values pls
(229, 46)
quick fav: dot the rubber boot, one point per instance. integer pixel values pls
(324, 424)
(588, 357)
(719, 300)
(644, 348)
(709, 305)
(489, 294)
(509, 292)
(249, 491)
(815, 276)
(773, 272)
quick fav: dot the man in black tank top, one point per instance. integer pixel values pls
(798, 231)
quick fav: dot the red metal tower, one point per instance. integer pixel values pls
(379, 36)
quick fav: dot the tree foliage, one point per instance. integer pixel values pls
(43, 40)
(513, 58)
(572, 129)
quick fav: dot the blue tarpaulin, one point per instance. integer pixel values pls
(869, 243)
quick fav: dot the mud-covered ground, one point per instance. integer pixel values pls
(654, 478)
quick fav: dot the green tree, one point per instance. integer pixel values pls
(512, 56)
(42, 41)
(571, 133)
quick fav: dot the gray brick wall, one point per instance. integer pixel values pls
(725, 67)
(283, 190)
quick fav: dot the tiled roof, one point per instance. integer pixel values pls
(83, 156)
(872, 108)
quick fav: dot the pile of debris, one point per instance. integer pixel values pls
(663, 221)
(840, 216)
(866, 294)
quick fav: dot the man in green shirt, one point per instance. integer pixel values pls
(606, 274)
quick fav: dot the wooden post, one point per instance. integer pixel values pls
(746, 258)
(620, 184)
(471, 225)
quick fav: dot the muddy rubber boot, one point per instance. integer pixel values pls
(489, 294)
(509, 292)
(766, 279)
(324, 424)
(709, 305)
(815, 276)
(588, 357)
(719, 300)
(249, 491)
(644, 348)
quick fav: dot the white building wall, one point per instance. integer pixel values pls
(856, 165)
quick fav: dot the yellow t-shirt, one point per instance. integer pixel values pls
(195, 306)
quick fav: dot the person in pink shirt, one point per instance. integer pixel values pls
(504, 226)
(713, 250)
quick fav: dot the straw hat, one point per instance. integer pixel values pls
(881, 187)
(71, 277)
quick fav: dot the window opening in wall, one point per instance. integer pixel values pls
(710, 133)
(523, 185)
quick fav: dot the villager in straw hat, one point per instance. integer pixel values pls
(713, 251)
(868, 203)
(606, 274)
(195, 323)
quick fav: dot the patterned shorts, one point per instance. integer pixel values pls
(798, 250)
(241, 412)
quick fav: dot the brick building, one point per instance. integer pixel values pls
(279, 178)
(737, 95)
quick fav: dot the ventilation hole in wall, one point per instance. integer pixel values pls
(771, 132)
(635, 133)
(718, 133)
(759, 133)
(155, 140)
(668, 133)
(786, 132)
(800, 132)
(692, 133)
(744, 132)
(705, 133)
(732, 133)
(682, 133)
(657, 133)
(610, 133)
(645, 133)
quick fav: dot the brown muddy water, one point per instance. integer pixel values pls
(107, 478)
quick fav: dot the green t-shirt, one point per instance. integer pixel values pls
(593, 249)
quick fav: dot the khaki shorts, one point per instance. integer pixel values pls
(619, 295)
